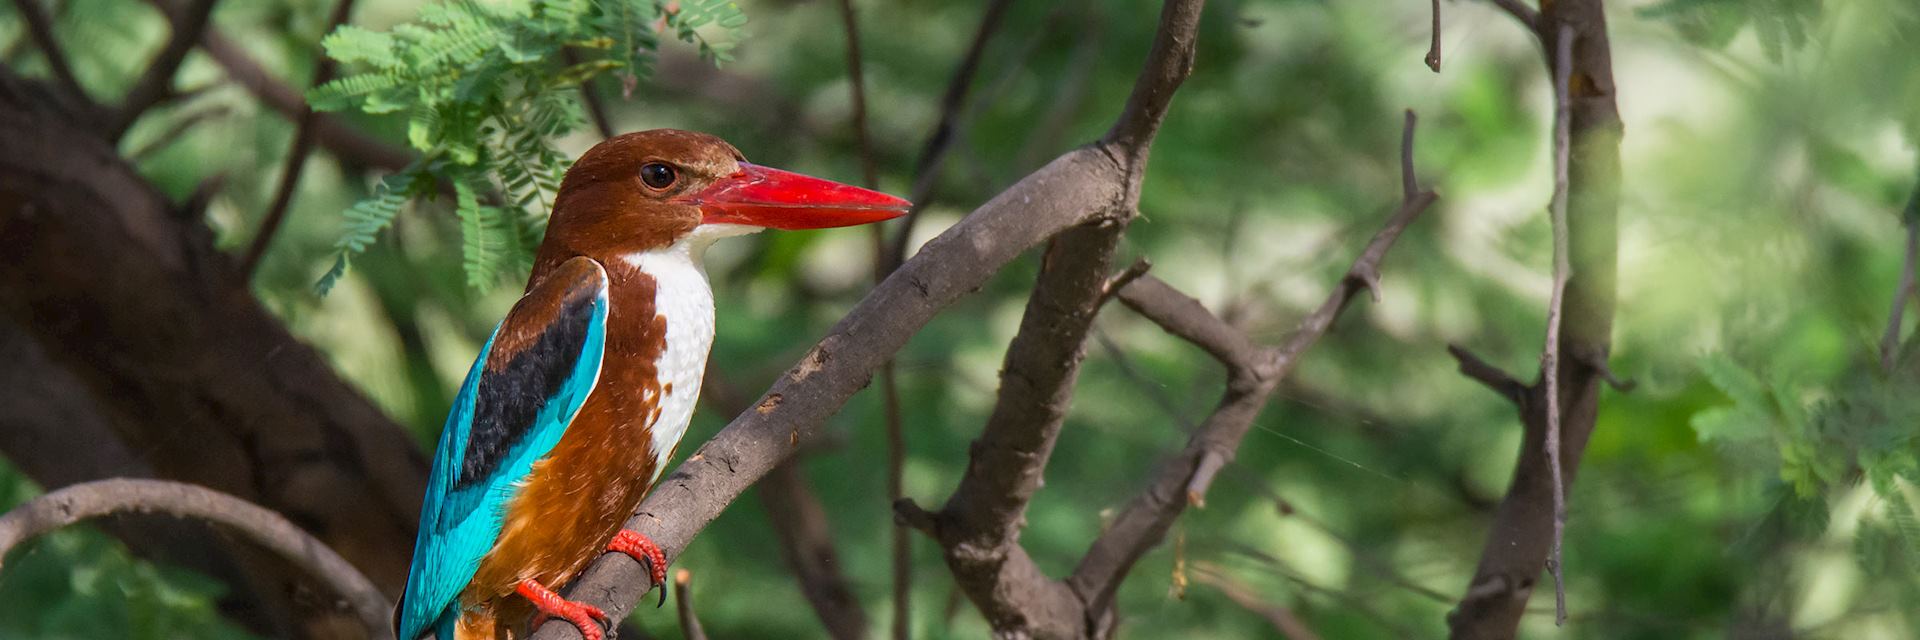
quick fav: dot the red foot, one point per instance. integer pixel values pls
(630, 542)
(590, 619)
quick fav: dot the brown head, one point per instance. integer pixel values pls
(649, 189)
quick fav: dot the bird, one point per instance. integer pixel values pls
(580, 397)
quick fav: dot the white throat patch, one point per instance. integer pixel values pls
(681, 293)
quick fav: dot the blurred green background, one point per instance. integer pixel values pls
(1761, 478)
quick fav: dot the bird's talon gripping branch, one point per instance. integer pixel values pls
(590, 619)
(640, 548)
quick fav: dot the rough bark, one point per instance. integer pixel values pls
(1521, 534)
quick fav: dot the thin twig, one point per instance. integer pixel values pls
(1184, 480)
(856, 76)
(346, 143)
(889, 379)
(1477, 368)
(596, 109)
(1550, 357)
(1409, 183)
(933, 153)
(1909, 286)
(188, 24)
(40, 28)
(683, 603)
(1605, 371)
(180, 128)
(1528, 16)
(1118, 281)
(1433, 51)
(306, 128)
(90, 500)
(1282, 618)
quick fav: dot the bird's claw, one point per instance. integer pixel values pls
(641, 549)
(592, 622)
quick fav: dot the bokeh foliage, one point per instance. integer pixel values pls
(1761, 477)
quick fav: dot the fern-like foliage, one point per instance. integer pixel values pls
(485, 92)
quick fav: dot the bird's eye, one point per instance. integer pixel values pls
(658, 175)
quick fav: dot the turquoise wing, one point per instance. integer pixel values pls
(524, 389)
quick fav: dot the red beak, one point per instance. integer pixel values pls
(768, 197)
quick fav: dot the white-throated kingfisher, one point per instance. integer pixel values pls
(576, 404)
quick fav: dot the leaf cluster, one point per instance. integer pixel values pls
(485, 89)
(1860, 431)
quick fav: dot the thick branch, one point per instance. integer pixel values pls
(1076, 189)
(259, 525)
(154, 84)
(979, 528)
(1168, 64)
(1520, 538)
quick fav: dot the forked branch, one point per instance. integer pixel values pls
(1254, 373)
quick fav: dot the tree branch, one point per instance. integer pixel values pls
(40, 28)
(1185, 318)
(259, 525)
(1528, 16)
(1080, 187)
(1550, 354)
(1501, 382)
(979, 526)
(883, 263)
(933, 152)
(1184, 479)
(304, 132)
(1283, 620)
(346, 143)
(596, 109)
(1433, 49)
(1907, 289)
(108, 273)
(180, 128)
(800, 522)
(1521, 537)
(683, 603)
(154, 84)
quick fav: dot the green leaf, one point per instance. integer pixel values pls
(350, 44)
